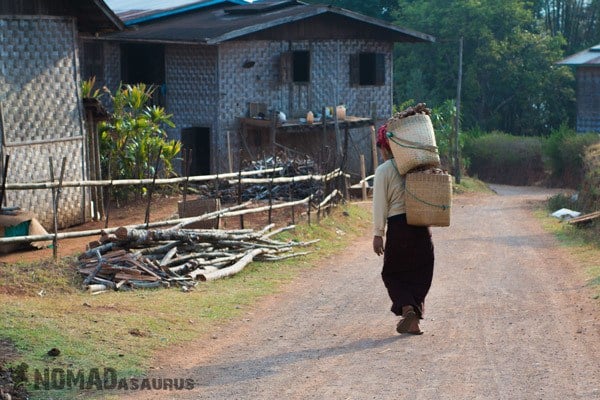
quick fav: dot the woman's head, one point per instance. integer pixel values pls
(383, 142)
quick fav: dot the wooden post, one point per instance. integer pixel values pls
(151, 191)
(271, 195)
(273, 131)
(457, 117)
(187, 164)
(338, 140)
(55, 198)
(374, 147)
(290, 198)
(363, 175)
(4, 177)
(308, 211)
(229, 157)
(239, 193)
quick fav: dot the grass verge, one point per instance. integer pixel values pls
(582, 243)
(43, 309)
(470, 185)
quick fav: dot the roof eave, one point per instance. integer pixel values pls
(314, 12)
(112, 17)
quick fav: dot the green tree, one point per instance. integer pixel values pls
(373, 8)
(576, 20)
(510, 82)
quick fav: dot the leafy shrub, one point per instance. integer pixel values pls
(442, 119)
(561, 200)
(134, 137)
(589, 195)
(501, 158)
(563, 154)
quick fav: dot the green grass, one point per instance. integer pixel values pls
(95, 331)
(582, 243)
(470, 185)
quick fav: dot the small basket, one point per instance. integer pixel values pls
(428, 199)
(412, 141)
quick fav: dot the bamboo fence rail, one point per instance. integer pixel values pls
(179, 222)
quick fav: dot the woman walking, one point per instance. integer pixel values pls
(408, 252)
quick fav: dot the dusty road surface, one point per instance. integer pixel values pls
(508, 317)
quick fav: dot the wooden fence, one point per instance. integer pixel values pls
(333, 186)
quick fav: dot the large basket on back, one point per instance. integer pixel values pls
(428, 199)
(412, 141)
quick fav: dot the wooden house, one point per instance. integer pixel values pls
(40, 106)
(587, 72)
(224, 67)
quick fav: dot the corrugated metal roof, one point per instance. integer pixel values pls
(138, 11)
(589, 56)
(218, 24)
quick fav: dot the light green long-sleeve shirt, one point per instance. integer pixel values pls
(388, 195)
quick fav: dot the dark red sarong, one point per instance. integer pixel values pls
(407, 264)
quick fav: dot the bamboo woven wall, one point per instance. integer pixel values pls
(192, 91)
(41, 110)
(206, 86)
(588, 99)
(329, 85)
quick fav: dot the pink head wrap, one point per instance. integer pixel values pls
(382, 140)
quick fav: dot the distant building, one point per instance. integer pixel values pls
(587, 67)
(219, 64)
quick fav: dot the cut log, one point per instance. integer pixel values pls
(584, 218)
(232, 270)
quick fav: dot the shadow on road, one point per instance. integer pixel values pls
(239, 371)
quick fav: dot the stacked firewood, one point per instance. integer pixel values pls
(228, 190)
(420, 108)
(141, 258)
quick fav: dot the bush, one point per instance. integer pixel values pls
(501, 158)
(134, 137)
(564, 156)
(560, 200)
(589, 196)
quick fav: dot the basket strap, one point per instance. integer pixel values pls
(410, 144)
(441, 206)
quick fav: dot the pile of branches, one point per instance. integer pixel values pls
(140, 258)
(229, 192)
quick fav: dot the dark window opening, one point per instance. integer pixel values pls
(301, 66)
(367, 69)
(198, 140)
(145, 63)
(93, 61)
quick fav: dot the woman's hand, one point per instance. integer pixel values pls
(378, 245)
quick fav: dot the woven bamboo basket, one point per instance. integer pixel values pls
(412, 141)
(428, 199)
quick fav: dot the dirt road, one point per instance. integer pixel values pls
(508, 317)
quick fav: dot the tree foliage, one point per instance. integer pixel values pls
(134, 137)
(576, 20)
(373, 8)
(510, 80)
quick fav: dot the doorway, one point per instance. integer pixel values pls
(198, 140)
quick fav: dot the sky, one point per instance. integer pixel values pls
(123, 5)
